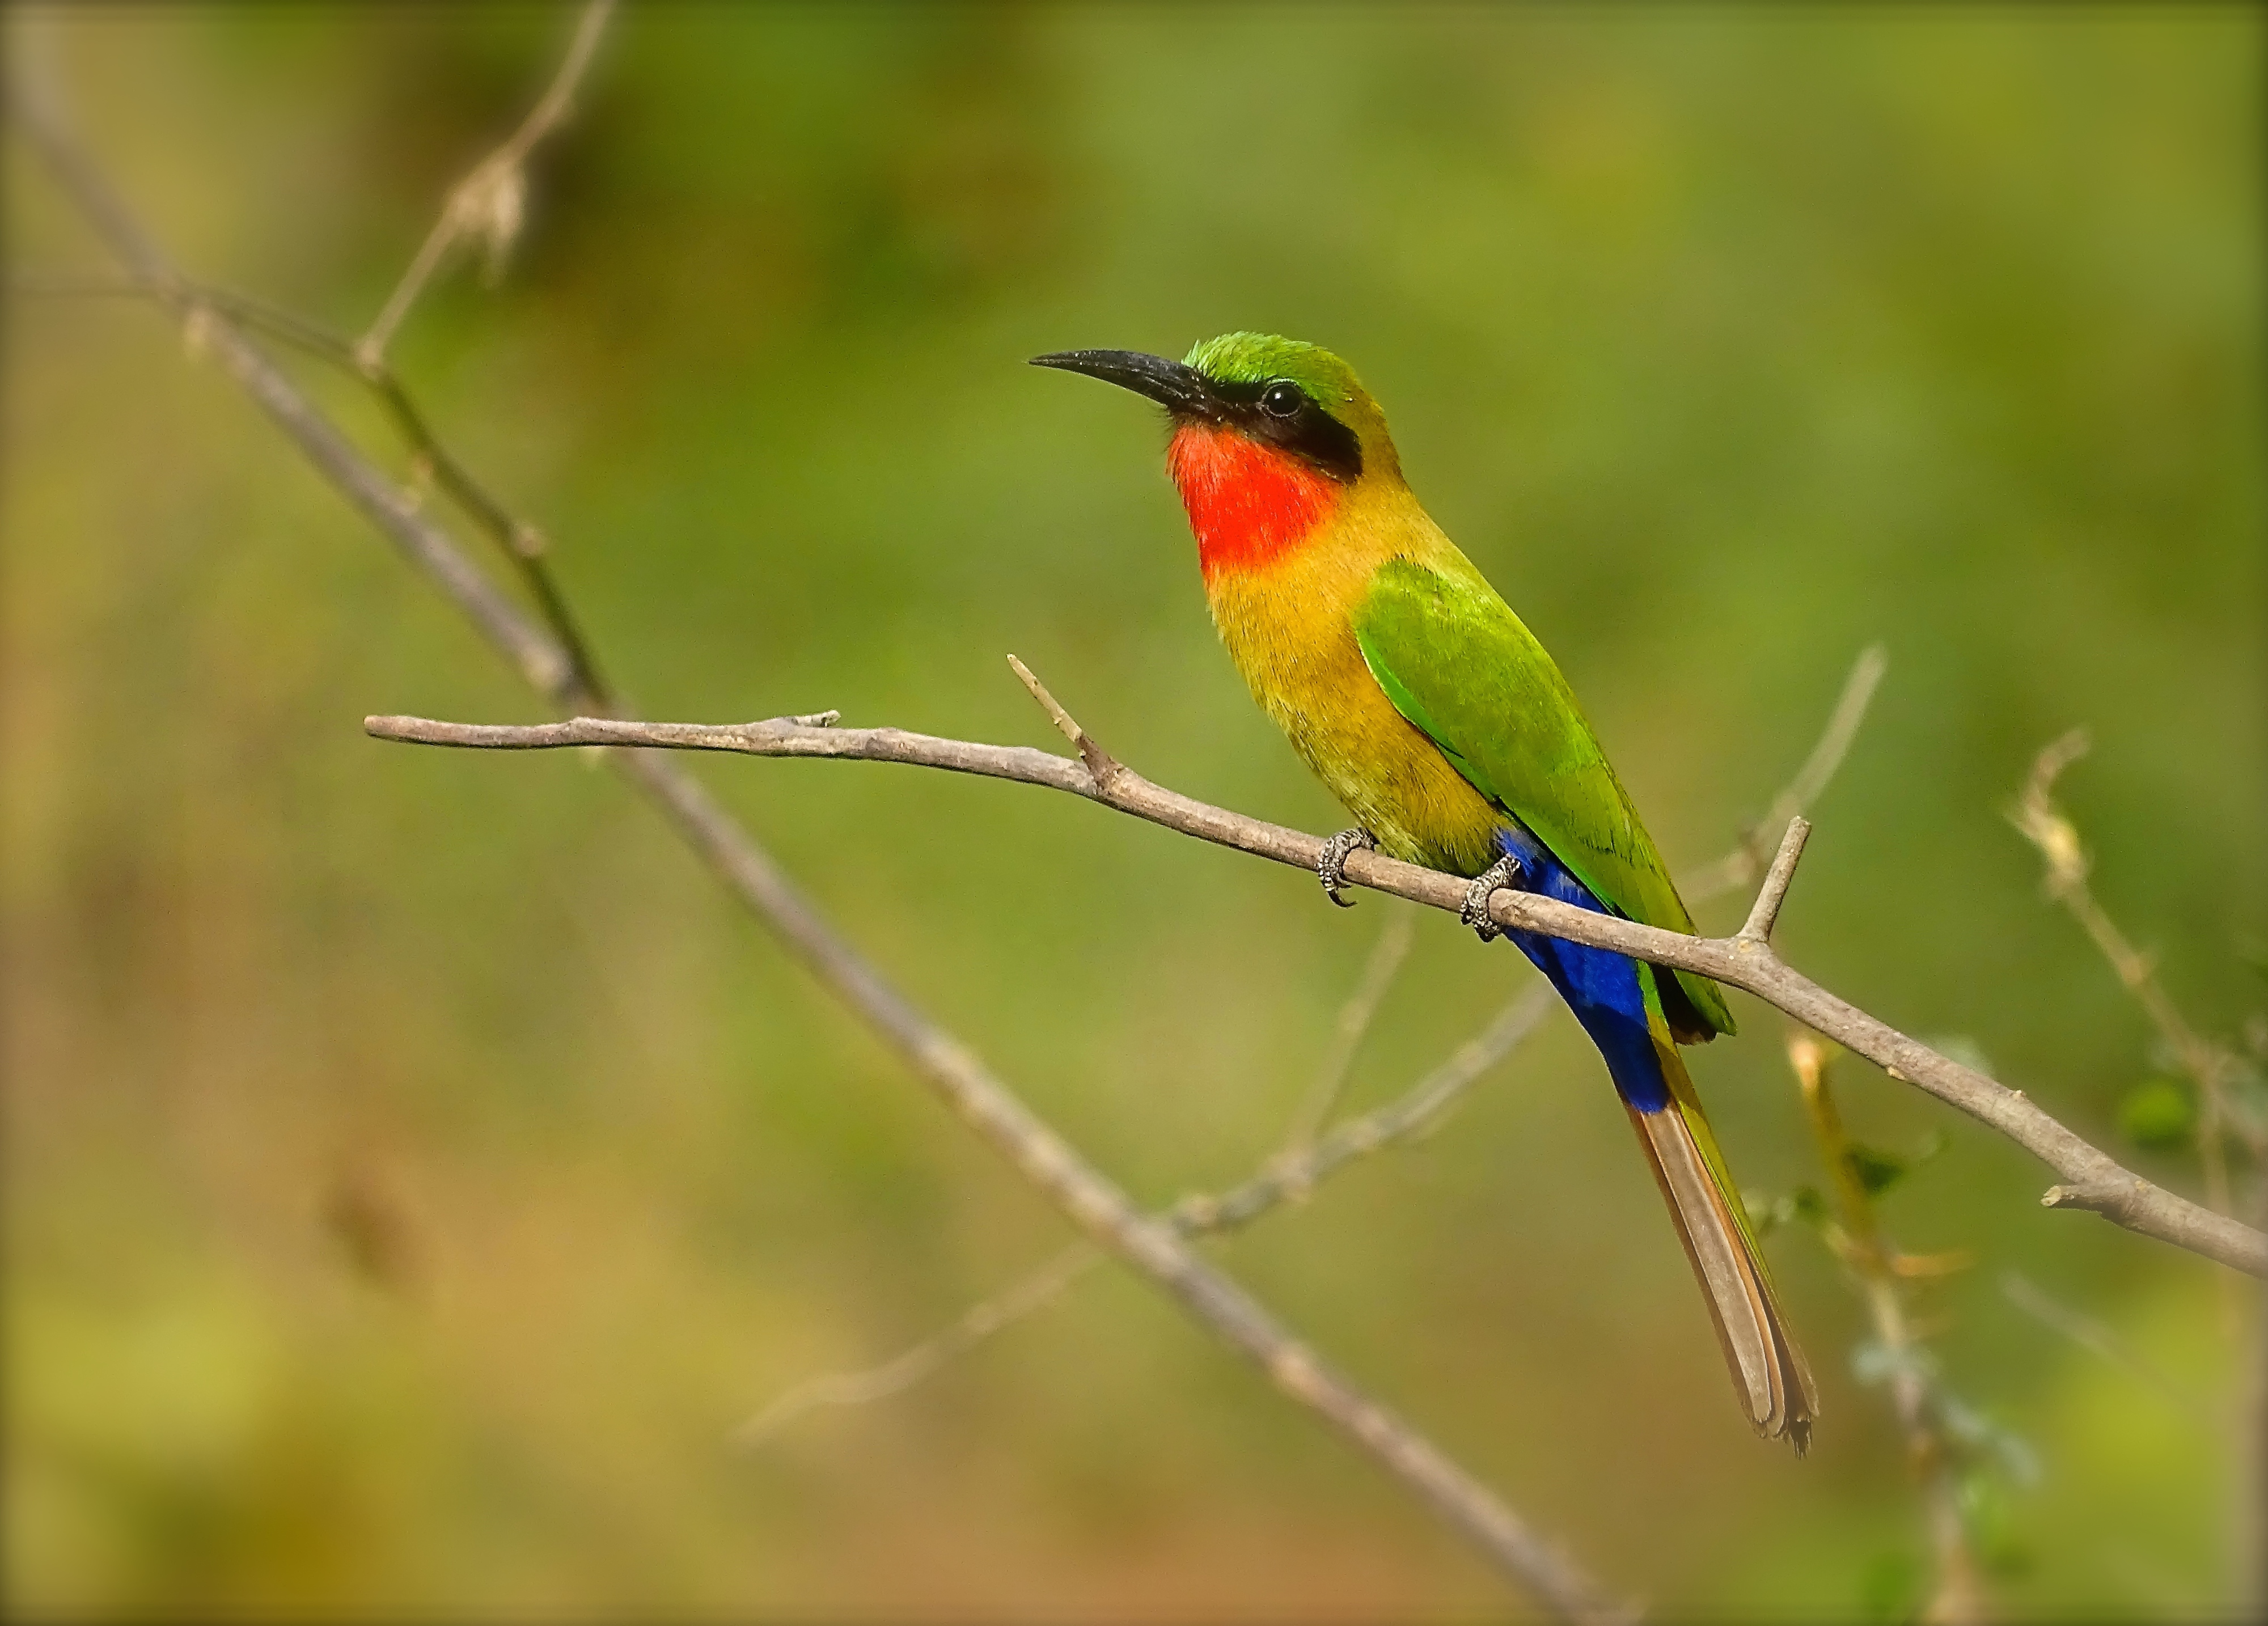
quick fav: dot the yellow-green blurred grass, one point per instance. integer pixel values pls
(1727, 342)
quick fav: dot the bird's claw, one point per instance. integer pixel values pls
(1474, 911)
(1330, 864)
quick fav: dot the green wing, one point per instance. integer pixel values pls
(1457, 661)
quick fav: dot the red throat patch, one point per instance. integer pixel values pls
(1250, 504)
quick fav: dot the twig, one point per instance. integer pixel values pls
(1087, 1197)
(1764, 915)
(1354, 1019)
(2046, 826)
(492, 198)
(977, 1323)
(1285, 1176)
(2100, 1341)
(1413, 1114)
(1102, 767)
(575, 685)
(1741, 866)
(2219, 1114)
(1958, 1595)
(2093, 1179)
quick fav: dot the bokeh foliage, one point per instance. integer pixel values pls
(414, 1166)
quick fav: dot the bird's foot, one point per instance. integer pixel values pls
(1330, 864)
(1474, 911)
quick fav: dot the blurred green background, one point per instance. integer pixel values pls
(415, 1166)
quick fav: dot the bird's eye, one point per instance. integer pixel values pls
(1281, 400)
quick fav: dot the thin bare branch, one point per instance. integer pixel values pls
(2041, 822)
(1093, 1204)
(1354, 1019)
(1287, 1176)
(977, 1323)
(1826, 758)
(579, 684)
(1741, 866)
(491, 200)
(2100, 1341)
(2092, 1178)
(1408, 1117)
(1764, 915)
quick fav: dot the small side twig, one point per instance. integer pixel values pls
(1101, 767)
(976, 1324)
(1347, 1032)
(491, 200)
(1764, 915)
(1283, 1178)
(1741, 866)
(574, 682)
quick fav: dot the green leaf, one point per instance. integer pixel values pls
(2159, 1116)
(1876, 1172)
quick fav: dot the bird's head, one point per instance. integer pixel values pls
(1269, 436)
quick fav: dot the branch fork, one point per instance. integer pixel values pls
(1102, 769)
(1764, 915)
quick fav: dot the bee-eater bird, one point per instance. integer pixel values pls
(1434, 716)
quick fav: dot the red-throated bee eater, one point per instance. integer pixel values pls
(1433, 715)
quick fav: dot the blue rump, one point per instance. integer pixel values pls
(1599, 985)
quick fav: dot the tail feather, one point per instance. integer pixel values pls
(1767, 1367)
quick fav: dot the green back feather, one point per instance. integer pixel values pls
(1455, 660)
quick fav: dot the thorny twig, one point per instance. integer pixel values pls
(2092, 1179)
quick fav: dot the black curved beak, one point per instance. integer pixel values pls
(1177, 388)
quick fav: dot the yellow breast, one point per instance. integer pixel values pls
(1289, 627)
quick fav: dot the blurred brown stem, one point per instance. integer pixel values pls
(1355, 1017)
(1957, 1596)
(2049, 829)
(2209, 1066)
(491, 198)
